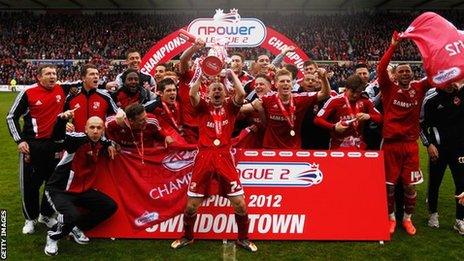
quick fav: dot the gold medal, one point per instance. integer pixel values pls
(292, 133)
(217, 142)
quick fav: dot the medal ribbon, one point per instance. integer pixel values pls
(140, 151)
(290, 114)
(352, 111)
(171, 114)
(218, 117)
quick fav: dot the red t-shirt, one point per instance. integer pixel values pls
(277, 133)
(401, 106)
(339, 109)
(227, 115)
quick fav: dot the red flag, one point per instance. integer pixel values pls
(153, 191)
(441, 45)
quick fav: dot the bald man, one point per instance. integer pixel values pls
(70, 189)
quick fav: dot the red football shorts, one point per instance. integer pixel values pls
(214, 172)
(402, 161)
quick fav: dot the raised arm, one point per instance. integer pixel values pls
(194, 92)
(325, 88)
(239, 91)
(187, 55)
(386, 58)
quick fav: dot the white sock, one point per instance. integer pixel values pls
(407, 216)
(392, 216)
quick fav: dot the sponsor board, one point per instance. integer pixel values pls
(290, 195)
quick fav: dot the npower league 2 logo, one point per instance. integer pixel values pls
(239, 32)
(279, 174)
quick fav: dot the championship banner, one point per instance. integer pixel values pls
(291, 195)
(441, 46)
(239, 32)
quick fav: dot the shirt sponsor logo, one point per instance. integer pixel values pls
(279, 174)
(277, 118)
(404, 104)
(146, 218)
(210, 124)
(446, 75)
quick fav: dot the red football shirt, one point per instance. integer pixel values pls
(226, 116)
(151, 136)
(401, 106)
(277, 133)
(188, 112)
(339, 108)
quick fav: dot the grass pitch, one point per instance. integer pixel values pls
(442, 243)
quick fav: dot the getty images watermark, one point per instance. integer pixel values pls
(3, 233)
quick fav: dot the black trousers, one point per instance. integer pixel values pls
(84, 210)
(34, 171)
(454, 158)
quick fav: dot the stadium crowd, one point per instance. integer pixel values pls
(362, 37)
(260, 106)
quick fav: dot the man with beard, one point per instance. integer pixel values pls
(284, 110)
(402, 102)
(132, 92)
(90, 101)
(345, 115)
(133, 60)
(216, 118)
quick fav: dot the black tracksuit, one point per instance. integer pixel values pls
(442, 124)
(70, 188)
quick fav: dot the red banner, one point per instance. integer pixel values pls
(291, 195)
(441, 45)
(172, 45)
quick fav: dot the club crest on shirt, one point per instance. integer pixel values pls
(58, 98)
(193, 186)
(96, 105)
(412, 93)
(179, 160)
(456, 101)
